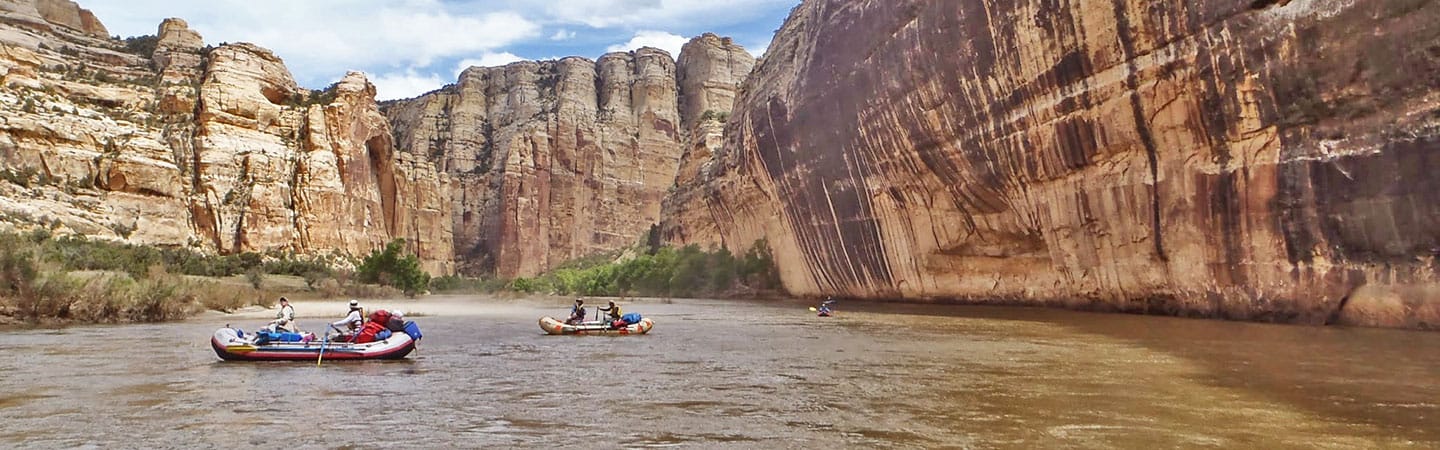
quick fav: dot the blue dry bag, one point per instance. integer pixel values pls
(631, 318)
(413, 330)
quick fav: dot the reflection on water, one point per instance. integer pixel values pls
(745, 375)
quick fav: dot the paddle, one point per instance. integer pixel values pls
(812, 309)
(322, 349)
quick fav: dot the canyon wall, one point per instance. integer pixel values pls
(215, 149)
(711, 71)
(1263, 160)
(552, 160)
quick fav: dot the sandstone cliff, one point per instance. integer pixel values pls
(711, 69)
(216, 149)
(552, 160)
(45, 15)
(1262, 160)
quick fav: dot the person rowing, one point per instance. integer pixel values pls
(577, 312)
(284, 318)
(614, 311)
(352, 321)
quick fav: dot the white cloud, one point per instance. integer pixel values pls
(415, 44)
(658, 39)
(406, 84)
(643, 13)
(759, 48)
(563, 35)
(487, 60)
(332, 36)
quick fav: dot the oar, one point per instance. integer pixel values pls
(322, 349)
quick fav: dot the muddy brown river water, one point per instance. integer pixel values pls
(741, 374)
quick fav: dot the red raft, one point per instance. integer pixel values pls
(232, 344)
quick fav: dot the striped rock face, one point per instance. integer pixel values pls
(552, 160)
(1263, 160)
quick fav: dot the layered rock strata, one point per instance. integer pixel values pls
(1261, 160)
(216, 149)
(552, 160)
(711, 69)
(47, 15)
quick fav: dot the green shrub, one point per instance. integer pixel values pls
(142, 45)
(392, 267)
(49, 297)
(130, 283)
(255, 277)
(299, 268)
(686, 272)
(523, 284)
(717, 116)
(17, 266)
(458, 284)
(314, 277)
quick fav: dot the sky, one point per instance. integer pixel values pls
(409, 47)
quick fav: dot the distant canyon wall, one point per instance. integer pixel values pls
(557, 160)
(1262, 160)
(212, 148)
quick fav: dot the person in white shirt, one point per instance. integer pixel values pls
(352, 321)
(285, 318)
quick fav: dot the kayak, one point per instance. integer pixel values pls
(552, 326)
(232, 344)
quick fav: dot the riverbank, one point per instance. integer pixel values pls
(90, 297)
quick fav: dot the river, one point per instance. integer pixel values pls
(742, 374)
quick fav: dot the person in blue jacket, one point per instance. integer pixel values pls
(577, 312)
(825, 307)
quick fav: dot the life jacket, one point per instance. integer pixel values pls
(368, 332)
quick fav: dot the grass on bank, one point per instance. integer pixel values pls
(71, 279)
(46, 278)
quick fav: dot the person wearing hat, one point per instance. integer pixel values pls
(577, 312)
(284, 318)
(352, 321)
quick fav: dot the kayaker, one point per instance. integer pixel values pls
(577, 312)
(614, 311)
(352, 321)
(284, 318)
(825, 306)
